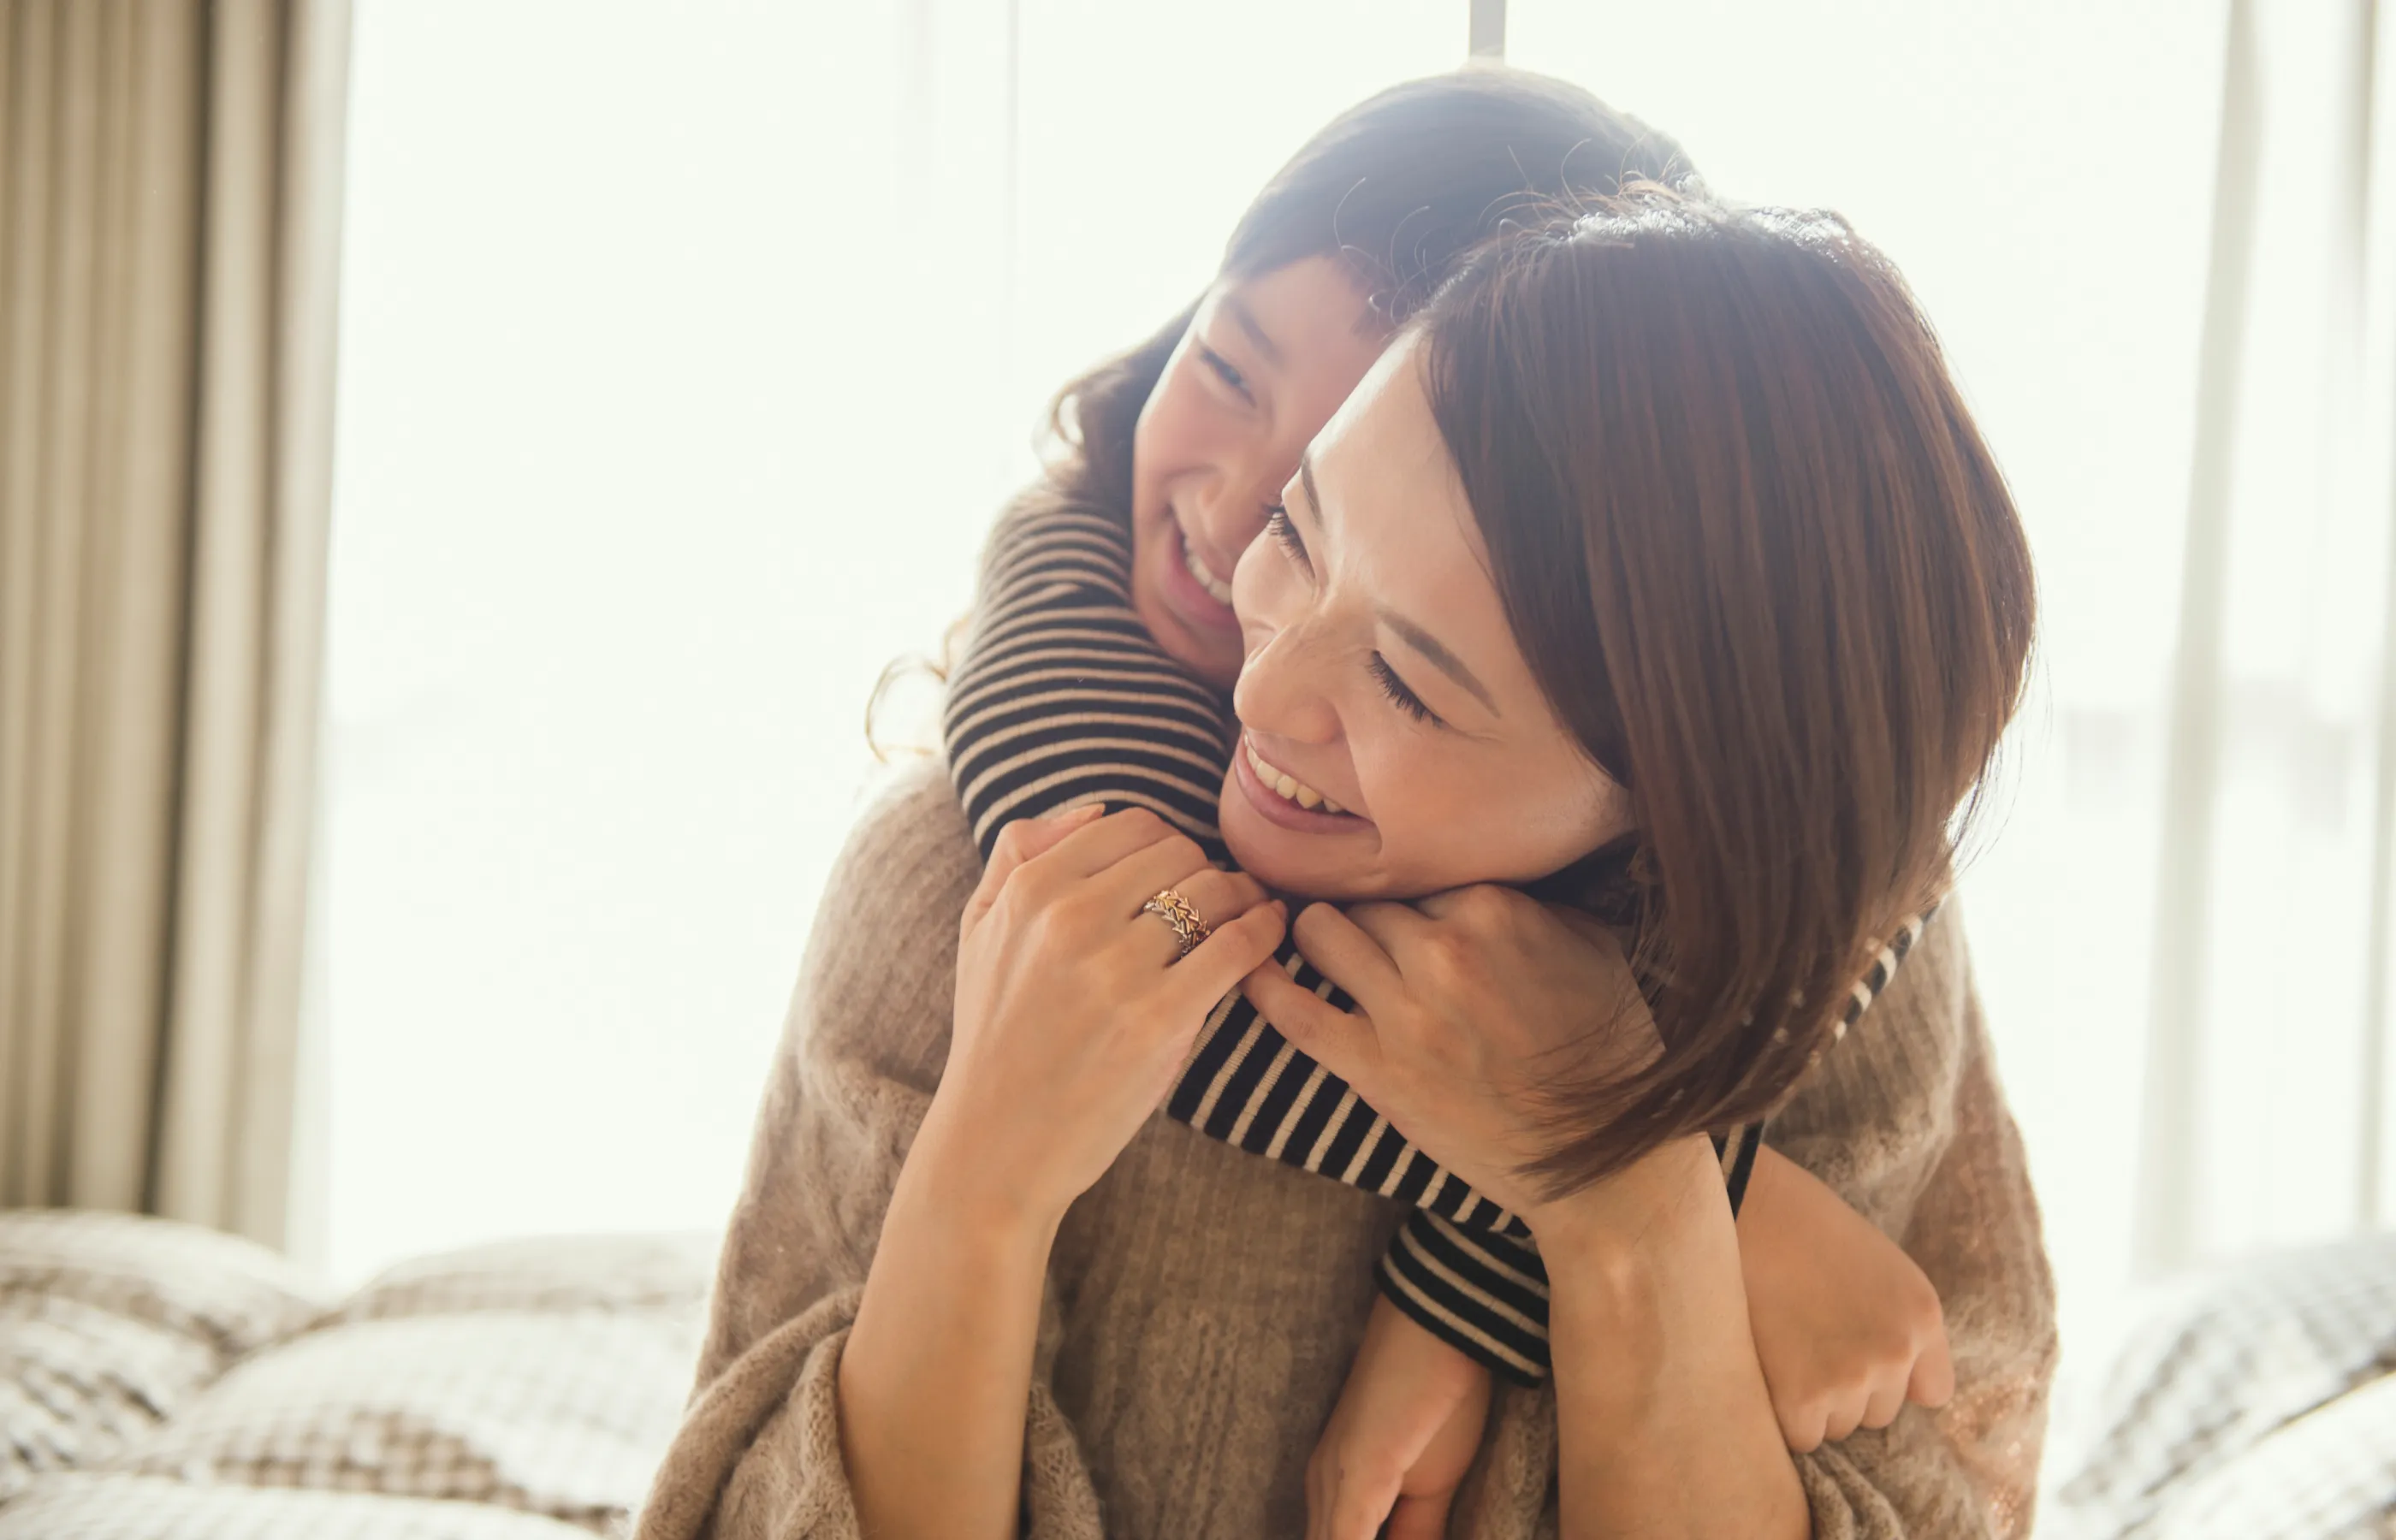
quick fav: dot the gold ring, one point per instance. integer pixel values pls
(1179, 912)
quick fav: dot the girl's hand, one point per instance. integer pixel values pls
(1847, 1328)
(1404, 1433)
(1075, 1010)
(1466, 1002)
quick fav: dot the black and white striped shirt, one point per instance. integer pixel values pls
(1063, 698)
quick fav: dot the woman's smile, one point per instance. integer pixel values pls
(1286, 801)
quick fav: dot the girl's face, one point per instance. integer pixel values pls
(1383, 681)
(1265, 363)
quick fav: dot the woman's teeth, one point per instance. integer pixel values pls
(1287, 785)
(1215, 586)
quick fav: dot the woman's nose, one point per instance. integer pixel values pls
(1281, 690)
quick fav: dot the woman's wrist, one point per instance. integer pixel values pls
(1622, 1224)
(1666, 1425)
(962, 1174)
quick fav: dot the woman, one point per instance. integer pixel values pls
(832, 1122)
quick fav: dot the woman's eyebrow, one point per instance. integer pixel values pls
(1441, 659)
(1237, 309)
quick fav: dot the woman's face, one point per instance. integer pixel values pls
(1382, 680)
(1263, 365)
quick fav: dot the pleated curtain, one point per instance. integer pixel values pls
(170, 221)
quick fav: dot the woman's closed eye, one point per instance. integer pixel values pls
(1400, 694)
(1285, 533)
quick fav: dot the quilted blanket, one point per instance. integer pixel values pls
(161, 1381)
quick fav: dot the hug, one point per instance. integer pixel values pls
(1422, 988)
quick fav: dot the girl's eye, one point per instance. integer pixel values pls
(1395, 688)
(1223, 370)
(1284, 534)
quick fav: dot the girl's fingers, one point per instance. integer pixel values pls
(1803, 1432)
(1887, 1400)
(1934, 1376)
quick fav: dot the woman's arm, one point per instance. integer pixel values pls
(937, 1370)
(759, 1451)
(1045, 1102)
(1075, 1010)
(1664, 1424)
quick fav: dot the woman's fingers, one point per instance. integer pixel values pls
(1419, 1518)
(1101, 844)
(1341, 1041)
(1354, 1509)
(1345, 953)
(1017, 843)
(1219, 897)
(1216, 967)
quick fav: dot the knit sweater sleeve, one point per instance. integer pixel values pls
(758, 1453)
(1905, 1119)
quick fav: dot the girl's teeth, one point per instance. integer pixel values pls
(1309, 797)
(1219, 589)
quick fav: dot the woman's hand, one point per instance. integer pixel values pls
(1469, 1000)
(1846, 1326)
(1074, 1012)
(1074, 1009)
(1398, 1444)
(1663, 1422)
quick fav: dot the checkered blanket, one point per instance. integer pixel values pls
(159, 1382)
(2257, 1403)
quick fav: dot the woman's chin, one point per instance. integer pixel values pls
(1334, 867)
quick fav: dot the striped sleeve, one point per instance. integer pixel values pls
(1485, 1291)
(1063, 696)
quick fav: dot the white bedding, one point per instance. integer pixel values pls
(159, 1382)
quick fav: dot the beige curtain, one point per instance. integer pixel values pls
(169, 219)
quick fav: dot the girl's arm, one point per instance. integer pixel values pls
(1846, 1326)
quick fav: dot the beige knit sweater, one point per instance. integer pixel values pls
(1204, 1304)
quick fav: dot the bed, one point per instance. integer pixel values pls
(162, 1382)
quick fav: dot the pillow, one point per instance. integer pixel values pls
(546, 1376)
(90, 1506)
(2198, 1401)
(111, 1323)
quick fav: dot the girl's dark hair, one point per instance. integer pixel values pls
(1399, 187)
(1768, 572)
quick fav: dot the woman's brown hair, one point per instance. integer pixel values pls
(1768, 572)
(1398, 186)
